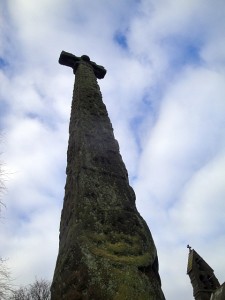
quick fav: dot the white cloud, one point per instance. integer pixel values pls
(31, 245)
(188, 133)
(201, 207)
(165, 97)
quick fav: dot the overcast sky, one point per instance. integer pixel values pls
(165, 94)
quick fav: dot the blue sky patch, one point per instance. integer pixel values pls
(32, 115)
(3, 63)
(182, 50)
(137, 121)
(189, 54)
(121, 39)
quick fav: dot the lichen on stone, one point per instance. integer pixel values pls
(106, 250)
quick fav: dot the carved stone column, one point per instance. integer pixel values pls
(106, 250)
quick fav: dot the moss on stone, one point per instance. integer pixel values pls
(106, 249)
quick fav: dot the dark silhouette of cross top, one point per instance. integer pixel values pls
(189, 247)
(70, 60)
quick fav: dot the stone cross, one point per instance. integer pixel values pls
(70, 60)
(189, 247)
(106, 250)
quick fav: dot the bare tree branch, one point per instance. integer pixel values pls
(39, 290)
(6, 287)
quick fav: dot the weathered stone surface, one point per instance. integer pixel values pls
(202, 276)
(106, 250)
(219, 294)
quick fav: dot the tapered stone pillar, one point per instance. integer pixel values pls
(106, 250)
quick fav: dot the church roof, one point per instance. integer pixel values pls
(195, 261)
(203, 279)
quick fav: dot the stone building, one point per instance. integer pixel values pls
(204, 282)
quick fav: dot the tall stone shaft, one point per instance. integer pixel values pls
(106, 250)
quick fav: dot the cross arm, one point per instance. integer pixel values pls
(70, 60)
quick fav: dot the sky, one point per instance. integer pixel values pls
(165, 95)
